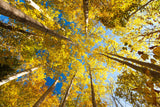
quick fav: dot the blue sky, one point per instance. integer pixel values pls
(3, 18)
(50, 81)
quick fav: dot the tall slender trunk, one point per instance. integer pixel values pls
(34, 5)
(17, 75)
(67, 91)
(7, 26)
(85, 8)
(10, 11)
(140, 8)
(150, 65)
(140, 69)
(92, 89)
(41, 99)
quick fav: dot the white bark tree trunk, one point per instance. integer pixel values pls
(85, 8)
(17, 75)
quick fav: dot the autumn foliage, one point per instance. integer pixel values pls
(74, 53)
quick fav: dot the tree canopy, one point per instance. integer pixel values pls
(93, 53)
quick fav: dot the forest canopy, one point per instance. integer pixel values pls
(73, 53)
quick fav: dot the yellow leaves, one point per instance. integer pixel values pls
(60, 56)
(154, 98)
(78, 66)
(153, 61)
(144, 56)
(137, 89)
(156, 51)
(56, 13)
(96, 40)
(63, 46)
(151, 98)
(150, 84)
(148, 98)
(111, 79)
(90, 58)
(156, 57)
(147, 91)
(147, 72)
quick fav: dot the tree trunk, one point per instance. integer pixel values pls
(85, 7)
(41, 99)
(92, 89)
(143, 70)
(150, 65)
(17, 75)
(67, 91)
(12, 12)
(6, 26)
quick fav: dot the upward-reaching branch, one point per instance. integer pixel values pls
(10, 11)
(150, 65)
(67, 91)
(85, 8)
(92, 88)
(140, 8)
(149, 33)
(140, 69)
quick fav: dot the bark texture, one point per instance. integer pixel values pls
(92, 89)
(67, 91)
(17, 75)
(85, 8)
(41, 99)
(143, 70)
(10, 11)
(12, 28)
(149, 65)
